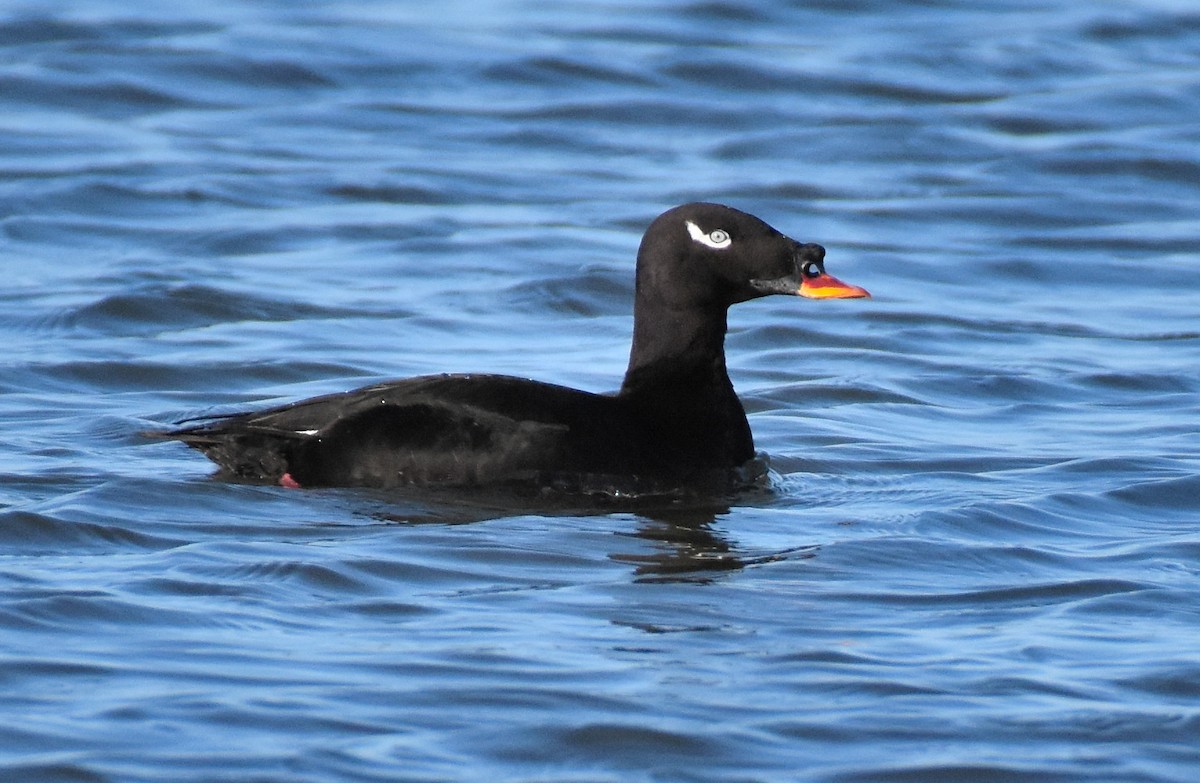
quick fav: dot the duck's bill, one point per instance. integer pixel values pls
(829, 287)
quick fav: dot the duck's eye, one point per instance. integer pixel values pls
(717, 238)
(812, 269)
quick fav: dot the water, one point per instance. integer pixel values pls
(980, 556)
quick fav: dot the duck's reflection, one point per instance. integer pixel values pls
(684, 544)
(687, 546)
(683, 540)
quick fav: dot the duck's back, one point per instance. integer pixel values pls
(432, 430)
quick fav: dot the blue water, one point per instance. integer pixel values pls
(980, 556)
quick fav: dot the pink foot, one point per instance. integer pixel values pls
(286, 480)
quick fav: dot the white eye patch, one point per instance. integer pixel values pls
(717, 239)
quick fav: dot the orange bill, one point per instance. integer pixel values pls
(825, 286)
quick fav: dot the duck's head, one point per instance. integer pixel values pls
(704, 255)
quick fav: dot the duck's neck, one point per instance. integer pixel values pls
(678, 383)
(675, 350)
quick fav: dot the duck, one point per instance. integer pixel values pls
(675, 422)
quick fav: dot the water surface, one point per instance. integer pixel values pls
(978, 559)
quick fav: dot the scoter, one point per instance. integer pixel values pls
(676, 421)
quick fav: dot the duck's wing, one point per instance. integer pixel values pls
(447, 429)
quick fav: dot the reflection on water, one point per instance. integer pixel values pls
(685, 542)
(687, 546)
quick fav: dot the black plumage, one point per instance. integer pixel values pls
(675, 422)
